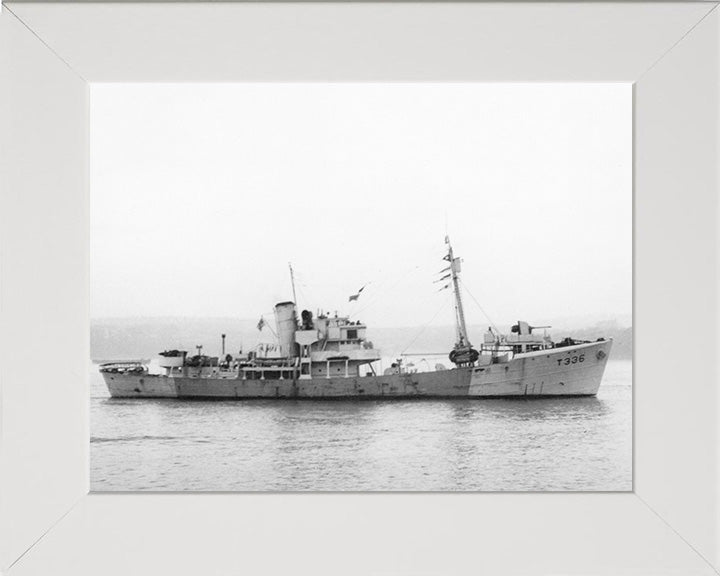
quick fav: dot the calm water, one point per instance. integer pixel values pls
(473, 445)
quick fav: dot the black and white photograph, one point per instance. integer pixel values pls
(355, 287)
(406, 288)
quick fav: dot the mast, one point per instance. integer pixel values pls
(463, 355)
(459, 312)
(292, 281)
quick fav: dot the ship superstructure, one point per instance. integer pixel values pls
(321, 347)
(329, 356)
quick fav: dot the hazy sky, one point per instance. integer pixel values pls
(202, 194)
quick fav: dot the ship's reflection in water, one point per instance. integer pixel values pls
(558, 444)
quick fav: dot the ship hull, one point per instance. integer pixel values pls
(140, 386)
(569, 371)
(449, 383)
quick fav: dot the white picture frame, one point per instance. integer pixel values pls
(49, 524)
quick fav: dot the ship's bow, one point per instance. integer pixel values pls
(575, 370)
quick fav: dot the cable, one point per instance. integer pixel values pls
(442, 307)
(479, 306)
(378, 285)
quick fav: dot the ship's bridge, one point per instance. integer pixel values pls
(332, 346)
(340, 332)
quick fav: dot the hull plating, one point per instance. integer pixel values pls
(140, 386)
(570, 371)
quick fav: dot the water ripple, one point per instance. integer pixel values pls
(580, 444)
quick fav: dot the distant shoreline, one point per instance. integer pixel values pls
(114, 340)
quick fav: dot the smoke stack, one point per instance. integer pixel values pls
(286, 326)
(223, 345)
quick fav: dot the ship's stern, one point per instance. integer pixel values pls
(131, 380)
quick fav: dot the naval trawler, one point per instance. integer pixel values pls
(327, 357)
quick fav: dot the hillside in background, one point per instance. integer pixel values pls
(126, 339)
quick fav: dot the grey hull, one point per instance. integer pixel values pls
(569, 371)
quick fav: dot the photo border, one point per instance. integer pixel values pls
(670, 524)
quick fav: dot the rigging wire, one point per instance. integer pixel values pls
(479, 306)
(308, 301)
(300, 284)
(378, 290)
(378, 287)
(442, 307)
(375, 294)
